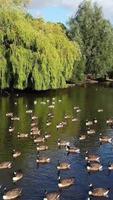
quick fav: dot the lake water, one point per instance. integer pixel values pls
(37, 179)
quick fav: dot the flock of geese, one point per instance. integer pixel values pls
(92, 160)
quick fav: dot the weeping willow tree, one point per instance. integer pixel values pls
(34, 54)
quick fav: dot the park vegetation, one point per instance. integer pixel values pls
(40, 55)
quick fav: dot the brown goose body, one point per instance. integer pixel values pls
(99, 192)
(93, 158)
(5, 165)
(16, 154)
(105, 139)
(93, 167)
(63, 166)
(39, 140)
(52, 196)
(12, 194)
(22, 135)
(72, 149)
(64, 183)
(17, 176)
(42, 148)
(43, 160)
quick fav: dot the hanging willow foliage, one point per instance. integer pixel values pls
(34, 54)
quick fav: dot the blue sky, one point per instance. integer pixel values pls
(60, 10)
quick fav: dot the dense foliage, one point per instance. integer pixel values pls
(34, 54)
(95, 37)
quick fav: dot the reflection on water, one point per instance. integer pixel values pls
(37, 179)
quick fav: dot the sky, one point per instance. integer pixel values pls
(61, 10)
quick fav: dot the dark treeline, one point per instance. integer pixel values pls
(40, 55)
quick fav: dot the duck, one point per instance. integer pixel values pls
(63, 166)
(52, 196)
(16, 153)
(105, 139)
(43, 160)
(5, 165)
(72, 149)
(63, 143)
(12, 194)
(42, 147)
(17, 176)
(92, 157)
(64, 183)
(94, 167)
(98, 192)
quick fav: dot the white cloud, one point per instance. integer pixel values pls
(73, 5)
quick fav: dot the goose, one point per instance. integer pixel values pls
(47, 136)
(105, 139)
(95, 121)
(29, 111)
(93, 167)
(9, 114)
(82, 137)
(5, 165)
(51, 106)
(62, 143)
(67, 116)
(109, 122)
(34, 117)
(22, 135)
(100, 110)
(39, 139)
(12, 194)
(74, 120)
(59, 126)
(17, 176)
(72, 149)
(43, 160)
(42, 147)
(48, 123)
(11, 129)
(64, 183)
(63, 166)
(52, 196)
(15, 118)
(33, 124)
(90, 131)
(76, 107)
(98, 192)
(110, 167)
(16, 153)
(89, 123)
(35, 132)
(92, 157)
(78, 110)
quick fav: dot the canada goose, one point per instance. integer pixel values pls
(22, 135)
(74, 120)
(52, 196)
(51, 106)
(82, 137)
(12, 194)
(16, 153)
(78, 110)
(63, 166)
(72, 149)
(39, 139)
(48, 123)
(110, 167)
(43, 160)
(90, 131)
(35, 132)
(93, 167)
(11, 129)
(98, 192)
(15, 118)
(34, 117)
(105, 139)
(100, 110)
(59, 126)
(29, 111)
(17, 176)
(92, 157)
(5, 165)
(42, 147)
(109, 122)
(33, 124)
(89, 123)
(9, 114)
(67, 116)
(62, 143)
(67, 182)
(95, 121)
(47, 135)
(76, 107)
